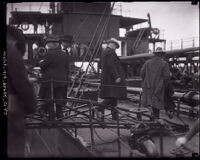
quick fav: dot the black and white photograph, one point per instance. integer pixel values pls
(101, 79)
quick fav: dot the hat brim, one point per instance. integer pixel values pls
(110, 41)
(51, 41)
(67, 41)
(159, 52)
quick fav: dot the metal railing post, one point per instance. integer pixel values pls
(91, 127)
(118, 134)
(171, 45)
(181, 43)
(75, 131)
(52, 96)
(178, 107)
(161, 141)
(51, 89)
(193, 42)
(140, 99)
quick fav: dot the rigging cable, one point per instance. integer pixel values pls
(78, 72)
(40, 6)
(77, 34)
(97, 43)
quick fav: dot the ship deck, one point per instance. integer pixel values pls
(105, 139)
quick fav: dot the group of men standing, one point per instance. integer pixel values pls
(155, 77)
(55, 74)
(55, 70)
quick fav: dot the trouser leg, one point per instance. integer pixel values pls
(114, 112)
(112, 102)
(101, 109)
(156, 112)
(49, 106)
(59, 94)
(104, 102)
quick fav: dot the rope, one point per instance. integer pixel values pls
(102, 32)
(95, 32)
(40, 6)
(77, 34)
(78, 72)
(97, 46)
(44, 142)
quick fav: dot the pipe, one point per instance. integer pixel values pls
(168, 54)
(149, 55)
(138, 90)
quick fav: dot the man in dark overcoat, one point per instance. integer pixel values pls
(155, 73)
(54, 68)
(21, 95)
(113, 86)
(66, 45)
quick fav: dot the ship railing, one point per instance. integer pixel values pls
(87, 114)
(182, 43)
(90, 121)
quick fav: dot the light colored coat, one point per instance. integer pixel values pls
(154, 73)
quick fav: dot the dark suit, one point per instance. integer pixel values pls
(54, 68)
(112, 69)
(21, 100)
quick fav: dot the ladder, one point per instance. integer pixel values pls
(138, 38)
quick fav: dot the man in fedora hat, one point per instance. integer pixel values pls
(155, 73)
(112, 78)
(54, 68)
(66, 46)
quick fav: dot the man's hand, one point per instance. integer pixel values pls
(181, 141)
(41, 61)
(118, 80)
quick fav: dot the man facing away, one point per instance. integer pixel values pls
(113, 86)
(155, 73)
(21, 96)
(54, 68)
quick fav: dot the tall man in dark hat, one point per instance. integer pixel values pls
(21, 96)
(113, 86)
(54, 68)
(66, 45)
(155, 73)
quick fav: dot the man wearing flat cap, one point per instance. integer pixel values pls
(112, 78)
(155, 73)
(54, 68)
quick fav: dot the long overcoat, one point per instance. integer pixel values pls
(54, 67)
(21, 100)
(155, 72)
(111, 70)
(19, 87)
